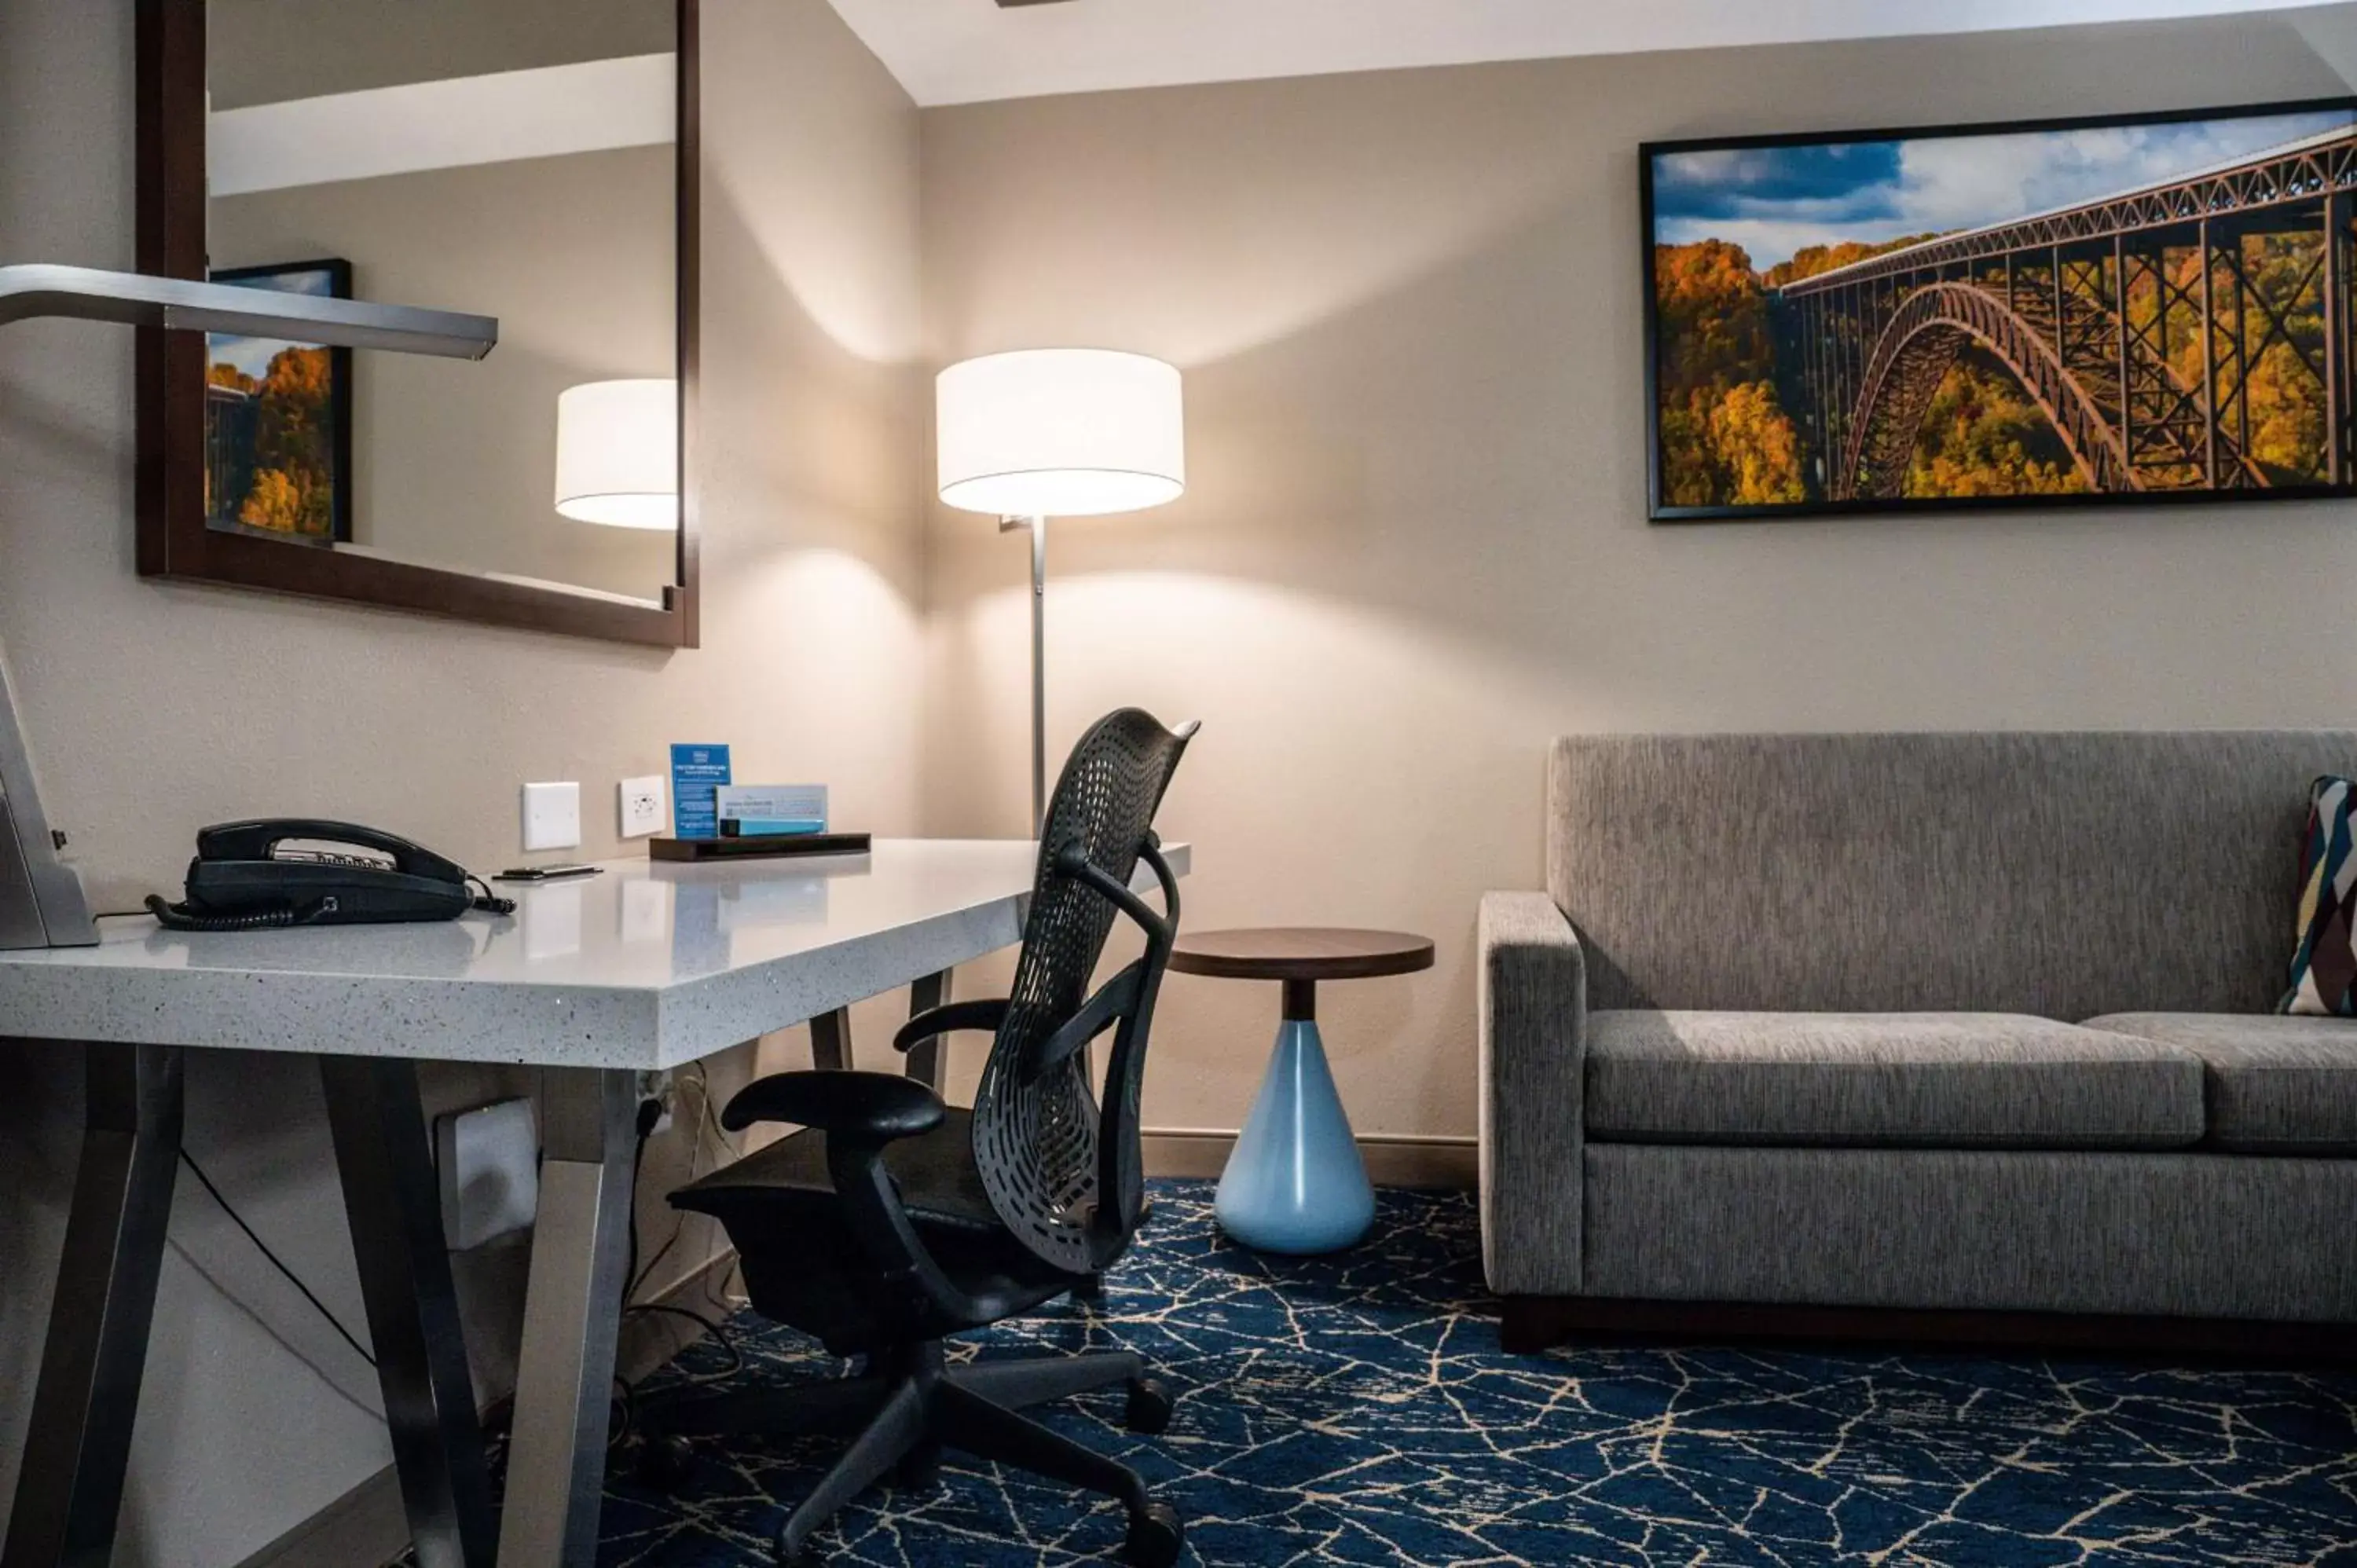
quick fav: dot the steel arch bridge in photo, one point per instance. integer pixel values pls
(2133, 322)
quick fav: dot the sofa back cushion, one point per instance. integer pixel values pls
(2060, 874)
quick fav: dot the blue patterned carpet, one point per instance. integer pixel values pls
(1357, 1411)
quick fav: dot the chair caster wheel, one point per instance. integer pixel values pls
(1155, 1538)
(1090, 1291)
(807, 1555)
(663, 1461)
(1150, 1408)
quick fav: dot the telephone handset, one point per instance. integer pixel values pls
(242, 879)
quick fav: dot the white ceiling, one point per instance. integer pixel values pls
(964, 51)
(546, 112)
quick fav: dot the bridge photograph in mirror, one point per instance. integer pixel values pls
(531, 161)
(2148, 308)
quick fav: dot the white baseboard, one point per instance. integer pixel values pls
(1393, 1160)
(365, 1527)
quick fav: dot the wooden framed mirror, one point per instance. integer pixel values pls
(533, 160)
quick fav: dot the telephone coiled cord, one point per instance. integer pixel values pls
(490, 903)
(280, 917)
(180, 917)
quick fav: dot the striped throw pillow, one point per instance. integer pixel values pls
(2324, 970)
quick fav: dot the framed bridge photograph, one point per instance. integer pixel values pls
(2155, 308)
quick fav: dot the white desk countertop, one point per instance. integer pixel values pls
(645, 966)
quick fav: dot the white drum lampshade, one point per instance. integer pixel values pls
(618, 453)
(1061, 433)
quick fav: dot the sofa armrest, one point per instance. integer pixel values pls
(1532, 997)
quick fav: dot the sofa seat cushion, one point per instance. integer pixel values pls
(2277, 1085)
(1943, 1081)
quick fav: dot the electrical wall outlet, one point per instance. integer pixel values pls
(643, 806)
(643, 912)
(488, 1160)
(552, 816)
(657, 1088)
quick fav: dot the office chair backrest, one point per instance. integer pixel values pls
(1066, 1177)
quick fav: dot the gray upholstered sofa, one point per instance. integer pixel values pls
(1938, 1035)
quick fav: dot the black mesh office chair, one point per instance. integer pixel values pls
(891, 1221)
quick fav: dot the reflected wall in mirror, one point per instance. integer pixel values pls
(522, 159)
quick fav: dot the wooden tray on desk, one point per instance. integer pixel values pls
(768, 847)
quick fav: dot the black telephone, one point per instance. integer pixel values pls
(242, 880)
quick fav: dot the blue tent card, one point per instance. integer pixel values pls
(696, 773)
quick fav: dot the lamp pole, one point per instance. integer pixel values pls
(1038, 527)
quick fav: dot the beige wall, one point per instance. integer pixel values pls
(1414, 546)
(154, 710)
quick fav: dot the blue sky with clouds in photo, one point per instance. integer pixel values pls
(253, 355)
(1774, 200)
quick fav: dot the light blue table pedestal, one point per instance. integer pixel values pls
(1295, 1182)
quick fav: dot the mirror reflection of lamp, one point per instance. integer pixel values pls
(617, 454)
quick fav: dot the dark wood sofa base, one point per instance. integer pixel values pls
(1528, 1324)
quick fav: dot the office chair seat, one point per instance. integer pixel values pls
(940, 1185)
(816, 1286)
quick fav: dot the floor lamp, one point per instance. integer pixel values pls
(1045, 432)
(41, 900)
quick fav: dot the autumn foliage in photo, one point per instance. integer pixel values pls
(1725, 438)
(271, 445)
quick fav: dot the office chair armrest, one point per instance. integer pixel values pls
(871, 1107)
(949, 1019)
(857, 1114)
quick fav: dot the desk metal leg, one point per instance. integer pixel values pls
(69, 1489)
(925, 1056)
(831, 1040)
(394, 1205)
(573, 1308)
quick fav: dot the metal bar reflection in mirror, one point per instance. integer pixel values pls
(136, 299)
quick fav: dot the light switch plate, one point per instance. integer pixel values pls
(643, 806)
(552, 816)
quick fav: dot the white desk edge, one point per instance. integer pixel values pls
(569, 981)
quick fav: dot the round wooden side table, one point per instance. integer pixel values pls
(1295, 1182)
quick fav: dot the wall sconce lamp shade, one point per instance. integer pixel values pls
(617, 454)
(1061, 433)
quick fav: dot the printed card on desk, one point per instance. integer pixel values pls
(769, 811)
(696, 773)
